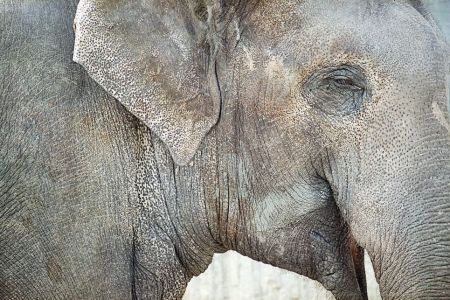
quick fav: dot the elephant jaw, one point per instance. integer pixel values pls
(325, 252)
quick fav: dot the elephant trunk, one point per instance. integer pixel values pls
(398, 209)
(410, 249)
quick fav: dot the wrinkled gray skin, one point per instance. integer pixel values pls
(290, 131)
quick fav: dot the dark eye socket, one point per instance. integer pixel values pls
(337, 91)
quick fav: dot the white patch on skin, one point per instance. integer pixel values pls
(249, 63)
(181, 44)
(275, 68)
(440, 116)
(238, 31)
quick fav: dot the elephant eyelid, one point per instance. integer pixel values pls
(347, 75)
(345, 82)
(342, 80)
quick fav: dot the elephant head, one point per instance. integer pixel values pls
(318, 127)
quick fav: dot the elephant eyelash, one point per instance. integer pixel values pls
(345, 82)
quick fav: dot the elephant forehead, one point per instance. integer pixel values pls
(389, 34)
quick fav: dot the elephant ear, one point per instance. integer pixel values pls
(156, 57)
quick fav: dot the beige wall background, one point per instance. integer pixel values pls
(233, 276)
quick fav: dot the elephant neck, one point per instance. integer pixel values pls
(172, 238)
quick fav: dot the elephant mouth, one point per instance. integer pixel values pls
(357, 254)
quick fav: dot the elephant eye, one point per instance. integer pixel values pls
(344, 82)
(338, 91)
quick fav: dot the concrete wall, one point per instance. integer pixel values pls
(232, 276)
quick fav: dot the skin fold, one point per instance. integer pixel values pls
(146, 136)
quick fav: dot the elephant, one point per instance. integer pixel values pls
(140, 137)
